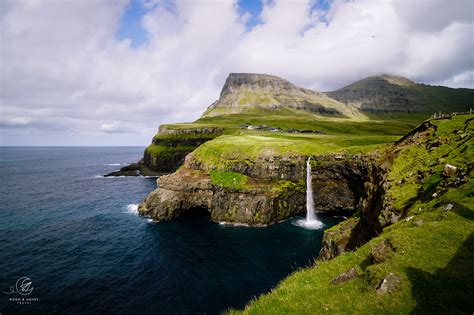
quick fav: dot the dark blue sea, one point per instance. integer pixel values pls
(77, 237)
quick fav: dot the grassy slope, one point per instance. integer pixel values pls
(289, 118)
(259, 144)
(426, 98)
(434, 251)
(342, 135)
(348, 135)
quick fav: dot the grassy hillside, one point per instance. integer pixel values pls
(285, 118)
(431, 250)
(386, 93)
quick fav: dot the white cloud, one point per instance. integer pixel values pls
(66, 77)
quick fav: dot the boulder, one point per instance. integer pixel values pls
(448, 207)
(449, 170)
(381, 251)
(389, 284)
(346, 276)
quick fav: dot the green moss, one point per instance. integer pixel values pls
(167, 151)
(229, 179)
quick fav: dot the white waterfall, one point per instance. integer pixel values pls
(311, 222)
(310, 216)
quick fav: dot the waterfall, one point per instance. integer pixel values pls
(310, 216)
(311, 221)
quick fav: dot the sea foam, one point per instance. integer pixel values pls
(132, 208)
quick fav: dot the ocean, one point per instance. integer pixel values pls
(74, 240)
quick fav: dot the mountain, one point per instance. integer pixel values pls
(243, 92)
(246, 91)
(389, 93)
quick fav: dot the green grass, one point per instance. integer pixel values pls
(433, 261)
(286, 118)
(229, 179)
(430, 162)
(434, 250)
(177, 137)
(167, 151)
(246, 147)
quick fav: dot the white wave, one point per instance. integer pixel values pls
(310, 225)
(132, 208)
(109, 177)
(113, 164)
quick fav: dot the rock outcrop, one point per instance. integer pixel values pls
(134, 169)
(275, 190)
(170, 146)
(188, 189)
(168, 150)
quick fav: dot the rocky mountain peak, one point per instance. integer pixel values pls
(236, 82)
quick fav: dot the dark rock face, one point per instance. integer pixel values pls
(134, 169)
(165, 163)
(290, 167)
(338, 188)
(188, 189)
(370, 220)
(174, 146)
(338, 185)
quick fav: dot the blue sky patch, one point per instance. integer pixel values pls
(130, 25)
(252, 7)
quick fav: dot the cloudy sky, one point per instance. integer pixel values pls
(90, 72)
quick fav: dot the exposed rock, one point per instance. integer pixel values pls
(266, 167)
(134, 169)
(449, 170)
(448, 207)
(382, 251)
(416, 135)
(338, 239)
(163, 130)
(189, 189)
(346, 276)
(389, 284)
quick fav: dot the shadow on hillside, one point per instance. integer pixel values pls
(450, 290)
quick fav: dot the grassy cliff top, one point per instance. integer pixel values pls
(264, 144)
(393, 123)
(433, 245)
